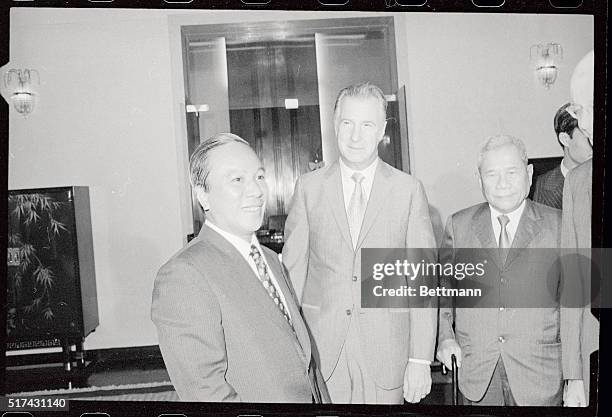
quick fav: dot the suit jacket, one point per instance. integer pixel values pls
(525, 334)
(221, 335)
(549, 188)
(326, 270)
(576, 233)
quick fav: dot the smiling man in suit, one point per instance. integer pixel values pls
(507, 344)
(228, 322)
(375, 356)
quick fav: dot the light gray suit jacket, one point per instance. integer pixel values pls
(525, 334)
(576, 233)
(221, 335)
(326, 270)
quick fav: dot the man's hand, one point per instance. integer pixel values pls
(573, 393)
(446, 349)
(417, 382)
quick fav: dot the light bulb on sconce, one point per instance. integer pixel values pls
(18, 83)
(546, 59)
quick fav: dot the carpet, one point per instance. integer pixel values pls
(152, 391)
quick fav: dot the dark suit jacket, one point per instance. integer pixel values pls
(526, 338)
(576, 233)
(326, 269)
(549, 188)
(221, 335)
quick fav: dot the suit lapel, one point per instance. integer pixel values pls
(527, 229)
(296, 318)
(379, 197)
(333, 190)
(242, 279)
(483, 229)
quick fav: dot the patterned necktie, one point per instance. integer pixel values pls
(504, 238)
(264, 278)
(356, 207)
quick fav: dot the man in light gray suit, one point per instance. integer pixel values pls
(228, 322)
(576, 234)
(376, 356)
(508, 349)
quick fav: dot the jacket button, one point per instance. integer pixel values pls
(354, 278)
(348, 312)
(501, 339)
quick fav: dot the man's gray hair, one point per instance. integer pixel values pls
(499, 141)
(361, 90)
(199, 168)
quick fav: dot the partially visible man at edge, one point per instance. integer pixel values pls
(228, 322)
(576, 234)
(576, 150)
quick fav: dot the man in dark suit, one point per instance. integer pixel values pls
(576, 234)
(576, 150)
(508, 348)
(376, 356)
(228, 322)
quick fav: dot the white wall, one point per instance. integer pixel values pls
(110, 117)
(104, 120)
(469, 77)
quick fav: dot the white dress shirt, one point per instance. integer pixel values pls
(348, 185)
(514, 216)
(244, 248)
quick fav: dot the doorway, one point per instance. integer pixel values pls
(275, 83)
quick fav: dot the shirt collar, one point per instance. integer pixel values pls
(367, 172)
(240, 244)
(514, 216)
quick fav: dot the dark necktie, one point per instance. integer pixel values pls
(504, 238)
(264, 278)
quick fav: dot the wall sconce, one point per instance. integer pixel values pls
(546, 58)
(18, 83)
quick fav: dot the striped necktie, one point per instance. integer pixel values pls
(264, 278)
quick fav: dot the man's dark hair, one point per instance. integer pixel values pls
(198, 163)
(564, 122)
(361, 90)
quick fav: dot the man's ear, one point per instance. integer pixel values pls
(202, 197)
(530, 173)
(564, 138)
(383, 130)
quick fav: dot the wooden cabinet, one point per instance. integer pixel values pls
(51, 286)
